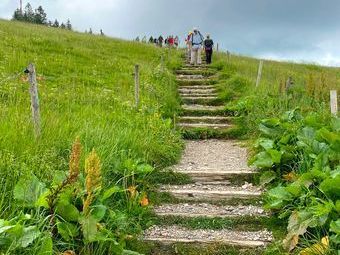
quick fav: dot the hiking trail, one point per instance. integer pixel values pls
(221, 185)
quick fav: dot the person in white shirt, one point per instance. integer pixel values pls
(196, 40)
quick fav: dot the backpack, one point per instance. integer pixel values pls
(192, 37)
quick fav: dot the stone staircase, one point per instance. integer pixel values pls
(221, 185)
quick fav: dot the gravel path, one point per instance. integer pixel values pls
(208, 155)
(179, 233)
(209, 210)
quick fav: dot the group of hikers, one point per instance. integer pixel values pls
(195, 43)
(170, 41)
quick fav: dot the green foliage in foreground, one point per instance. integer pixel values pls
(296, 144)
(303, 154)
(86, 89)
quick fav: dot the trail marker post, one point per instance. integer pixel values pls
(217, 47)
(32, 78)
(334, 102)
(137, 85)
(259, 73)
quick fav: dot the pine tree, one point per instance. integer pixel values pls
(18, 15)
(40, 16)
(68, 25)
(29, 14)
(90, 31)
(62, 26)
(56, 23)
(50, 23)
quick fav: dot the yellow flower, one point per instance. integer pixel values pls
(93, 178)
(144, 201)
(75, 159)
(320, 248)
(132, 190)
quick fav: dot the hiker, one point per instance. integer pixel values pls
(144, 39)
(176, 41)
(155, 41)
(208, 47)
(151, 40)
(137, 39)
(160, 41)
(171, 41)
(189, 45)
(196, 40)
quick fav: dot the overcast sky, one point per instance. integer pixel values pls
(299, 30)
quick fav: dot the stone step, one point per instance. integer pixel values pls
(204, 125)
(193, 71)
(190, 77)
(212, 176)
(200, 192)
(205, 119)
(197, 91)
(197, 87)
(207, 100)
(207, 210)
(202, 110)
(177, 234)
(198, 95)
(202, 66)
(195, 81)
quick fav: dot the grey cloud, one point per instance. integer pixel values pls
(285, 29)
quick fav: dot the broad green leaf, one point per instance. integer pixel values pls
(337, 206)
(46, 247)
(277, 197)
(29, 235)
(335, 226)
(144, 169)
(42, 200)
(67, 230)
(295, 189)
(275, 155)
(331, 187)
(263, 160)
(98, 212)
(89, 227)
(265, 143)
(67, 211)
(267, 177)
(109, 192)
(59, 177)
(28, 190)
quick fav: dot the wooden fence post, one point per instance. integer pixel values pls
(32, 78)
(137, 85)
(217, 47)
(334, 102)
(259, 73)
(228, 56)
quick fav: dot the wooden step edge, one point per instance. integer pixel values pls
(225, 241)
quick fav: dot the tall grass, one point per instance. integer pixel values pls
(86, 89)
(309, 92)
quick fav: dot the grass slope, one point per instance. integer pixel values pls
(86, 89)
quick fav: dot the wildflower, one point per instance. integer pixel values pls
(144, 201)
(93, 179)
(75, 159)
(132, 190)
(93, 172)
(319, 248)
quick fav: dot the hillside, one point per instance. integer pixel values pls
(86, 90)
(85, 185)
